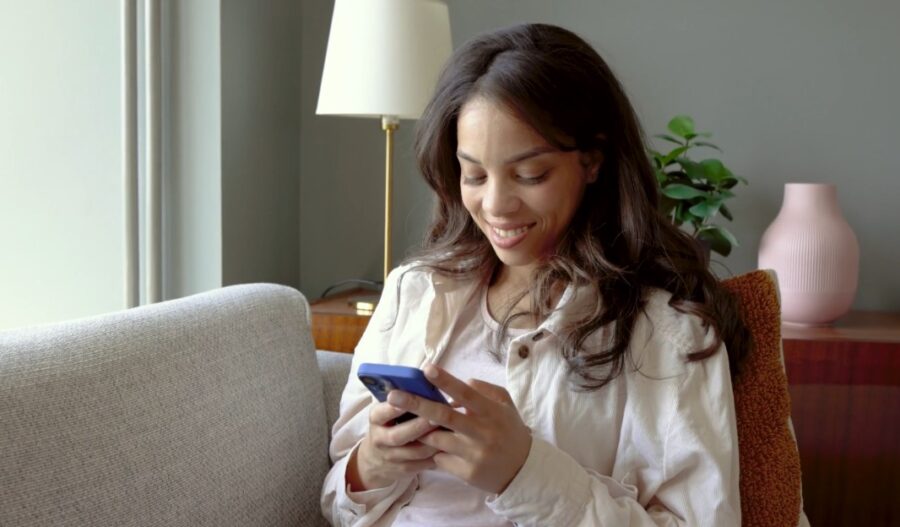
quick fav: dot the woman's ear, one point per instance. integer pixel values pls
(592, 161)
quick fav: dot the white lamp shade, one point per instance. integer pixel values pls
(384, 57)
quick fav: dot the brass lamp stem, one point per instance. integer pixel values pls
(388, 124)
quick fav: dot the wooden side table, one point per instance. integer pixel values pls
(336, 324)
(845, 397)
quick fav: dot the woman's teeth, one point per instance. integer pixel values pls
(509, 234)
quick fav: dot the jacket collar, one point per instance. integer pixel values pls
(451, 295)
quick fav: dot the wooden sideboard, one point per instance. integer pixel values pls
(845, 396)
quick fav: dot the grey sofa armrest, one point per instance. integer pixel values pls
(335, 368)
(205, 410)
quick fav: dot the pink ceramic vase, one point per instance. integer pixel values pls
(815, 254)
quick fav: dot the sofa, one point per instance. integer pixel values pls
(213, 409)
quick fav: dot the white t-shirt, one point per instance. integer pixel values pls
(443, 499)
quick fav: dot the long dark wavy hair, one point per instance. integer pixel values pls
(619, 246)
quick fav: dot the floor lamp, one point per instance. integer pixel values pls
(383, 60)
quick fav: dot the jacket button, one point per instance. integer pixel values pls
(538, 336)
(523, 352)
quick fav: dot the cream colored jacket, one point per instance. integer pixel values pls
(656, 446)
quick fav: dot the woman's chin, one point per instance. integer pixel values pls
(515, 259)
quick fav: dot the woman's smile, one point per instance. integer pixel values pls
(508, 237)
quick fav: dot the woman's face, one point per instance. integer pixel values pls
(521, 191)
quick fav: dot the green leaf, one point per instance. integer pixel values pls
(693, 220)
(681, 125)
(729, 174)
(706, 209)
(692, 169)
(726, 194)
(670, 139)
(704, 143)
(728, 183)
(671, 156)
(714, 170)
(683, 215)
(716, 242)
(681, 191)
(721, 241)
(726, 212)
(675, 176)
(704, 134)
(731, 180)
(728, 236)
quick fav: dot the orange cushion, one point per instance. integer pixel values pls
(769, 461)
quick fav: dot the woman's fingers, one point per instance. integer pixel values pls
(448, 442)
(491, 391)
(415, 451)
(399, 434)
(485, 443)
(389, 451)
(383, 413)
(461, 392)
(438, 414)
(454, 465)
(405, 433)
(380, 467)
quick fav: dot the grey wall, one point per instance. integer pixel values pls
(794, 92)
(260, 130)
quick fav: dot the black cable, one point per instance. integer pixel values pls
(372, 284)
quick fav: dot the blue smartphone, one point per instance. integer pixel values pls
(382, 378)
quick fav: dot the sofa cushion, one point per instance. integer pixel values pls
(205, 410)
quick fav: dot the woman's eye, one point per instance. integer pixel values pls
(530, 179)
(473, 179)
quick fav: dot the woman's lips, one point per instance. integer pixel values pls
(506, 238)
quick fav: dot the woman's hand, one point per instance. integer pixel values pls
(486, 445)
(389, 452)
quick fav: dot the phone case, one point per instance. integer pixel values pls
(382, 378)
(404, 378)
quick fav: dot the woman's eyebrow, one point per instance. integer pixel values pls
(536, 151)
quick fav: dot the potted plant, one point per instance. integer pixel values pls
(694, 192)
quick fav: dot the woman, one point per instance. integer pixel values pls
(586, 348)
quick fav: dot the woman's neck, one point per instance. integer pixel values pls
(509, 278)
(508, 293)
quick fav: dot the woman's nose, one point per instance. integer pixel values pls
(499, 200)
